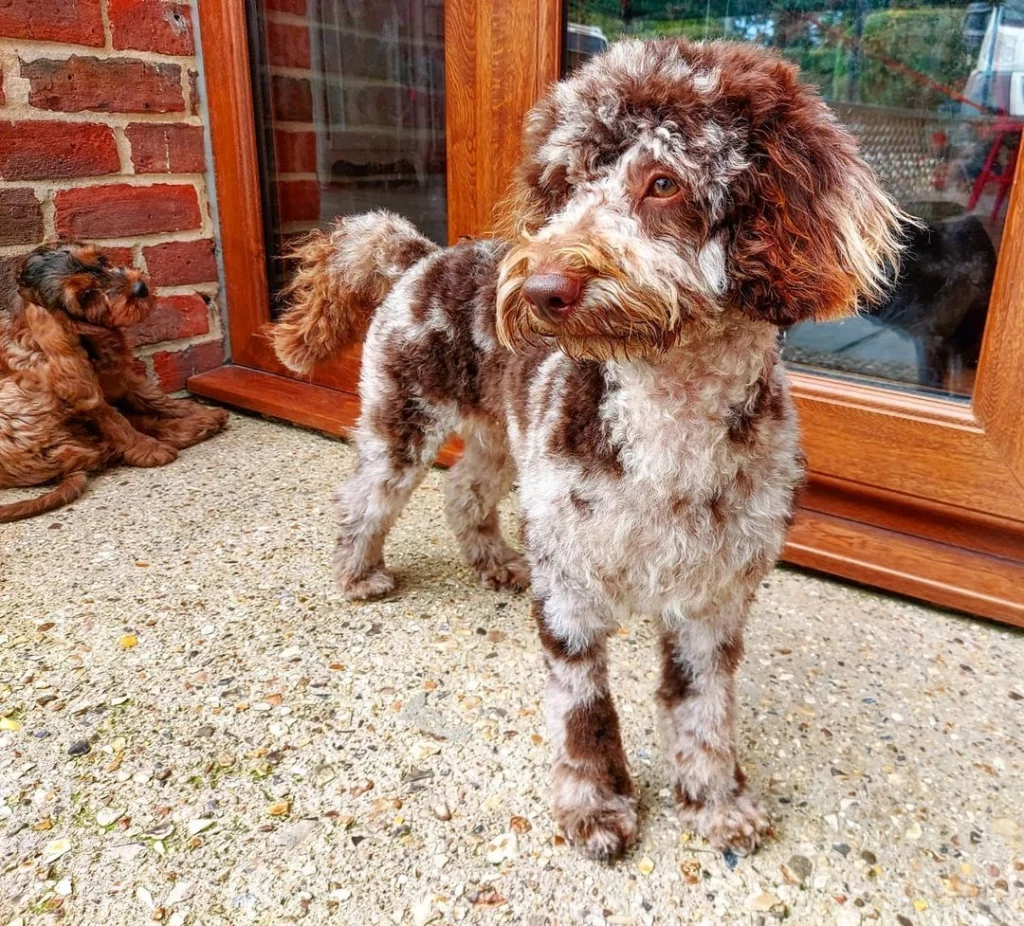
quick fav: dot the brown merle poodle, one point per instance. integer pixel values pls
(70, 400)
(676, 205)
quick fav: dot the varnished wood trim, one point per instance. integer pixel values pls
(236, 172)
(946, 575)
(499, 59)
(999, 389)
(905, 444)
(971, 530)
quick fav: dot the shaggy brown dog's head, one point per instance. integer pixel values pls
(666, 181)
(78, 279)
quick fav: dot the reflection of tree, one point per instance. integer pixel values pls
(843, 46)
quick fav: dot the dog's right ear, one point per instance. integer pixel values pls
(815, 235)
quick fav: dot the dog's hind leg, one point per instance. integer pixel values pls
(394, 453)
(475, 486)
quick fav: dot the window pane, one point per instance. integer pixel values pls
(935, 93)
(351, 114)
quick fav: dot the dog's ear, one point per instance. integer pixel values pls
(814, 234)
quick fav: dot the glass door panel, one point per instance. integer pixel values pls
(350, 111)
(935, 94)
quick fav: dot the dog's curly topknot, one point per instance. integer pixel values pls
(342, 276)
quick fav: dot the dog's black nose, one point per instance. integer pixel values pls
(553, 295)
(140, 290)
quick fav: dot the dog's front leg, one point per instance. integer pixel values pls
(135, 449)
(697, 704)
(594, 799)
(178, 422)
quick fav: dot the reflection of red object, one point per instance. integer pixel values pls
(1004, 131)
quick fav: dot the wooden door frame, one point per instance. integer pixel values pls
(907, 492)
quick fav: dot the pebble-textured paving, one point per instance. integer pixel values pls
(195, 728)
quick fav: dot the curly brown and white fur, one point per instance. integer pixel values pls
(70, 400)
(677, 203)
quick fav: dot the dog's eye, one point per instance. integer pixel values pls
(663, 188)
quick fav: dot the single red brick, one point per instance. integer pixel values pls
(291, 99)
(172, 318)
(295, 7)
(298, 200)
(22, 217)
(108, 85)
(53, 150)
(151, 25)
(288, 45)
(296, 152)
(74, 23)
(167, 149)
(179, 263)
(119, 211)
(173, 368)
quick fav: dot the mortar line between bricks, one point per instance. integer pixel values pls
(60, 184)
(108, 29)
(24, 112)
(149, 240)
(176, 347)
(33, 50)
(209, 288)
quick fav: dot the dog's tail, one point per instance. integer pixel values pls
(70, 488)
(342, 277)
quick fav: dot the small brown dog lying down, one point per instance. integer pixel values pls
(677, 205)
(70, 402)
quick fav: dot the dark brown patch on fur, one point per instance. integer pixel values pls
(740, 781)
(730, 653)
(716, 506)
(677, 679)
(687, 803)
(680, 504)
(553, 646)
(593, 741)
(580, 433)
(765, 401)
(582, 505)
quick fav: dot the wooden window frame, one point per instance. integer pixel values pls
(915, 494)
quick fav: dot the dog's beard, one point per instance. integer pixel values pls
(620, 316)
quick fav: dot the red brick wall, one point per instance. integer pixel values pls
(101, 138)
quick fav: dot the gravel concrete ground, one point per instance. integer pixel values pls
(195, 728)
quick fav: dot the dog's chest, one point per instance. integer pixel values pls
(677, 508)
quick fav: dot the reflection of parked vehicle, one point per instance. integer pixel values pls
(582, 42)
(997, 81)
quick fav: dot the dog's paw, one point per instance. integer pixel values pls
(738, 823)
(604, 830)
(511, 575)
(213, 420)
(377, 584)
(148, 453)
